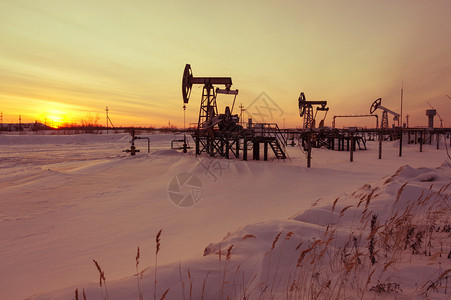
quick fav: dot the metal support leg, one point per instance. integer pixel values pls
(197, 146)
(421, 140)
(227, 145)
(256, 150)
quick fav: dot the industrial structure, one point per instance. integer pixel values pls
(430, 113)
(224, 134)
(220, 133)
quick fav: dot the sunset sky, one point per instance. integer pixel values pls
(64, 61)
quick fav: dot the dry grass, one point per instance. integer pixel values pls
(335, 264)
(102, 278)
(157, 250)
(139, 275)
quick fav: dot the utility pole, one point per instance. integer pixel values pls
(106, 111)
(108, 121)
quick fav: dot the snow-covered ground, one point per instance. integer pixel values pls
(68, 199)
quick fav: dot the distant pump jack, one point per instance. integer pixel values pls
(385, 111)
(306, 111)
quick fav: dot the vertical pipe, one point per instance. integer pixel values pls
(380, 144)
(237, 142)
(402, 92)
(185, 145)
(309, 150)
(265, 151)
(351, 151)
(244, 149)
(400, 141)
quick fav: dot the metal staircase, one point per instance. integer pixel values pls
(270, 133)
(277, 149)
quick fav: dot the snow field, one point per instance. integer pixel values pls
(88, 200)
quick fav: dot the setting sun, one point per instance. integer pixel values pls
(54, 118)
